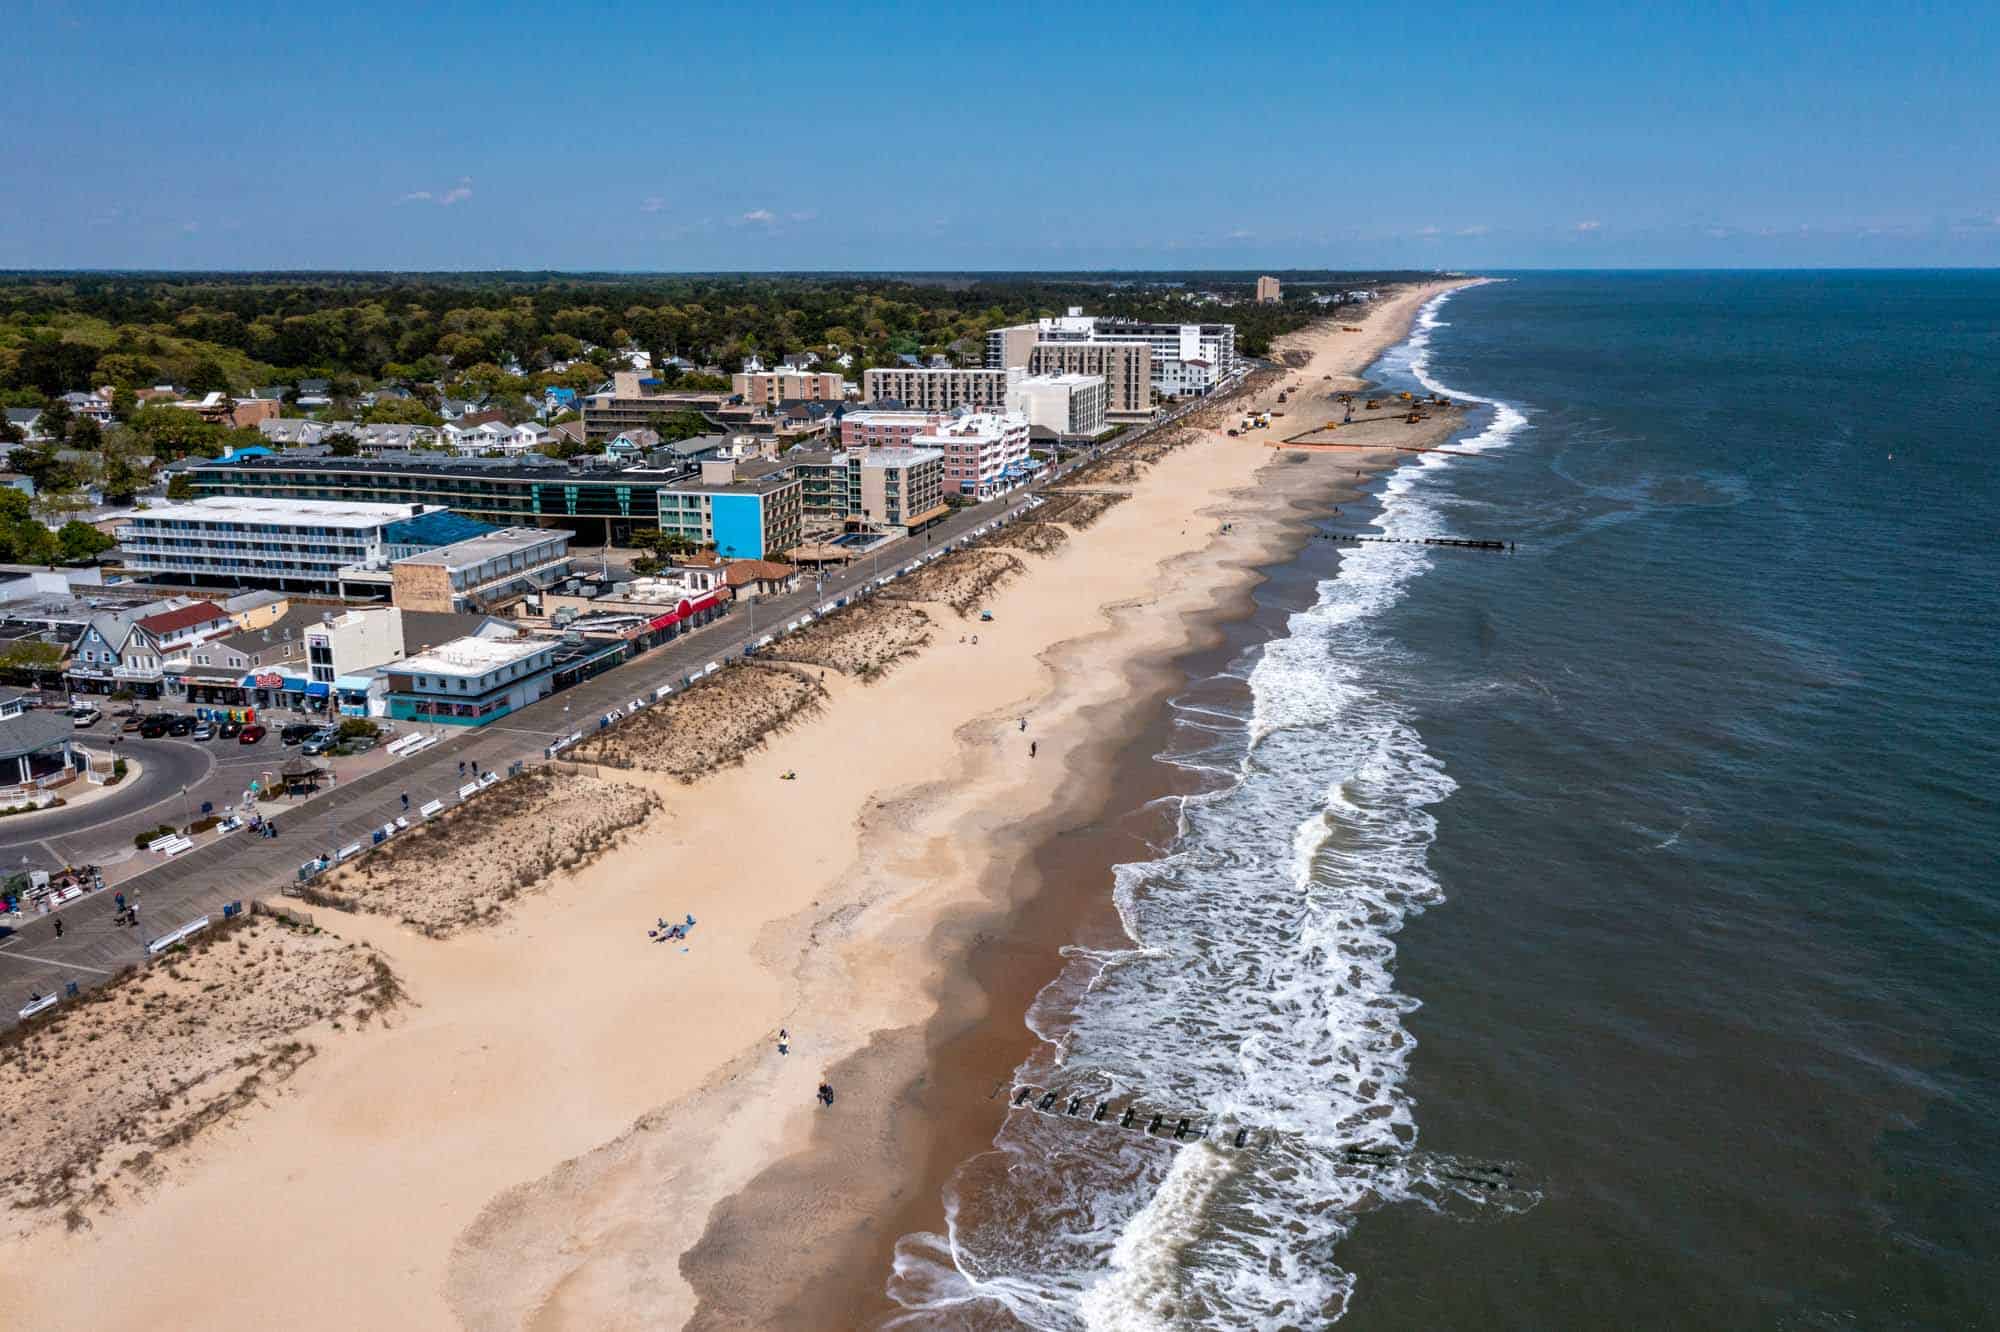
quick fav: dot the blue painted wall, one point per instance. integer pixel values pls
(739, 526)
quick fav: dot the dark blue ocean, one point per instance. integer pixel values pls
(1652, 869)
(1719, 959)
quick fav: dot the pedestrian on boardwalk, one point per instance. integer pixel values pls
(58, 927)
(406, 800)
(461, 767)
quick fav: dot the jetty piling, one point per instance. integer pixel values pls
(1489, 1177)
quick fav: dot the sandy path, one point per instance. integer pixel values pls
(496, 1117)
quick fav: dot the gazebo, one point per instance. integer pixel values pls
(36, 748)
(301, 776)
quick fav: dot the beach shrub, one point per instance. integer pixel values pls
(141, 839)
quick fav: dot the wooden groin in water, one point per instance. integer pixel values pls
(1462, 543)
(1171, 1126)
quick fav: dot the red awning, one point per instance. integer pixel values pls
(687, 607)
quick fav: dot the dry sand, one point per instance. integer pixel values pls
(540, 1138)
(109, 1094)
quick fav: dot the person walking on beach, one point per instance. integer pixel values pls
(1031, 748)
(1024, 723)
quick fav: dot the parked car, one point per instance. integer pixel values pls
(84, 717)
(229, 730)
(251, 735)
(203, 731)
(132, 723)
(152, 728)
(181, 726)
(298, 733)
(320, 744)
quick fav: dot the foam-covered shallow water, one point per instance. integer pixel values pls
(1654, 862)
(1258, 993)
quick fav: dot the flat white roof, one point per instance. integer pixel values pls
(896, 457)
(1070, 380)
(284, 512)
(479, 549)
(472, 656)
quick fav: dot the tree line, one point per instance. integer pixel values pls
(224, 331)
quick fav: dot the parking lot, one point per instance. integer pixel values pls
(178, 772)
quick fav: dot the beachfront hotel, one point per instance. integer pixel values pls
(287, 543)
(1125, 367)
(893, 490)
(1062, 406)
(985, 453)
(472, 681)
(602, 503)
(1182, 359)
(938, 390)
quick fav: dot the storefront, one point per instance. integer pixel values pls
(215, 687)
(275, 689)
(84, 681)
(689, 614)
(365, 694)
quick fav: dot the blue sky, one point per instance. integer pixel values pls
(918, 137)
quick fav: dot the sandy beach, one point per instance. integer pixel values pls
(568, 1124)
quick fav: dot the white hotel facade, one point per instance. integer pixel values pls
(985, 453)
(300, 545)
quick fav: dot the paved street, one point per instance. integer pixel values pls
(242, 866)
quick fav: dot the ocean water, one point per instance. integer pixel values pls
(1602, 934)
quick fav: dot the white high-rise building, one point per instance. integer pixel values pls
(1186, 358)
(1068, 406)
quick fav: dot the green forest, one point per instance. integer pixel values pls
(482, 333)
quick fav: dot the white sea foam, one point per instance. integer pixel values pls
(1258, 991)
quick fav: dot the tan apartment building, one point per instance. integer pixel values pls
(481, 573)
(1010, 347)
(631, 404)
(937, 390)
(768, 388)
(1268, 291)
(887, 488)
(1126, 367)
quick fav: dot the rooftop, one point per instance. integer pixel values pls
(186, 617)
(439, 527)
(281, 512)
(478, 549)
(27, 732)
(898, 456)
(472, 656)
(522, 467)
